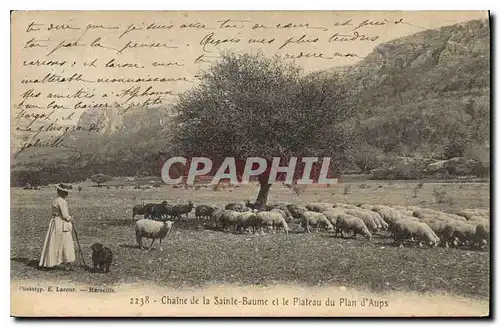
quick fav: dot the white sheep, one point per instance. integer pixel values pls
(315, 219)
(376, 216)
(426, 213)
(389, 215)
(348, 223)
(345, 205)
(272, 219)
(285, 213)
(410, 229)
(245, 219)
(319, 207)
(296, 210)
(468, 213)
(366, 206)
(229, 218)
(333, 214)
(152, 229)
(366, 217)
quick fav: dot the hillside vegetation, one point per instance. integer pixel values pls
(426, 95)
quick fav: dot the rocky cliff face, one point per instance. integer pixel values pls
(111, 120)
(425, 62)
(421, 93)
(108, 120)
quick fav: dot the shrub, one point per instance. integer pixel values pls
(439, 194)
(347, 189)
(415, 192)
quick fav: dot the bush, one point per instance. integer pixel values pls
(439, 194)
(415, 192)
(454, 149)
(347, 189)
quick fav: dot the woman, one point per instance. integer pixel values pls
(58, 247)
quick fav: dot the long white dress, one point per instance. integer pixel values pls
(58, 247)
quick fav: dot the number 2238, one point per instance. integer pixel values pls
(139, 300)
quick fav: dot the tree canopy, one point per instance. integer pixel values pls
(250, 105)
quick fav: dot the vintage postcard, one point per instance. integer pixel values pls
(250, 163)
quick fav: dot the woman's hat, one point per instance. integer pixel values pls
(62, 187)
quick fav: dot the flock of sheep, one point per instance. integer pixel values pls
(420, 226)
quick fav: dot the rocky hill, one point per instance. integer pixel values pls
(427, 95)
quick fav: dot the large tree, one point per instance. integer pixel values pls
(250, 105)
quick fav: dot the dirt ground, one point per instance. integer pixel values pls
(196, 255)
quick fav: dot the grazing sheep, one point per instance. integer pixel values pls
(296, 210)
(319, 207)
(410, 229)
(366, 217)
(236, 207)
(378, 207)
(316, 220)
(251, 205)
(409, 218)
(203, 211)
(345, 205)
(285, 213)
(228, 218)
(181, 209)
(482, 235)
(478, 218)
(272, 219)
(139, 209)
(145, 228)
(281, 212)
(366, 206)
(425, 213)
(389, 215)
(102, 257)
(378, 219)
(465, 233)
(405, 212)
(216, 216)
(348, 223)
(333, 214)
(156, 211)
(454, 217)
(244, 220)
(143, 209)
(443, 228)
(468, 213)
(283, 207)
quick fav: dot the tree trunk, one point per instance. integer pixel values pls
(262, 196)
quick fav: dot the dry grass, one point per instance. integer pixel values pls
(195, 255)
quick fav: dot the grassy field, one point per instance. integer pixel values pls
(196, 255)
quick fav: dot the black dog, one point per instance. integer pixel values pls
(101, 257)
